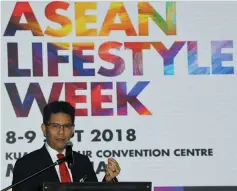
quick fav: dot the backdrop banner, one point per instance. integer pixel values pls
(154, 85)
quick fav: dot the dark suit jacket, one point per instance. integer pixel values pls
(39, 159)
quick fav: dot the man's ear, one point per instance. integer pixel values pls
(43, 127)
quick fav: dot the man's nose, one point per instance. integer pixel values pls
(61, 130)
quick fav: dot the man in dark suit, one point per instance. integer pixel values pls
(58, 128)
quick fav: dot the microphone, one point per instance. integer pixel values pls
(69, 154)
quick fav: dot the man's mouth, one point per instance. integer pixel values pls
(60, 140)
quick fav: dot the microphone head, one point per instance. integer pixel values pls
(69, 154)
(68, 144)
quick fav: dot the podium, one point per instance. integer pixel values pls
(97, 186)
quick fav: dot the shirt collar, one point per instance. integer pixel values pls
(53, 153)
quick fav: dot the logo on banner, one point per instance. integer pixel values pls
(47, 44)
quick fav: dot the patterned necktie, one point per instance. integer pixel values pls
(64, 173)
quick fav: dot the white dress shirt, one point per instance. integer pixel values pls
(53, 153)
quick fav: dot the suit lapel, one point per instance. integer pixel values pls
(51, 174)
(78, 170)
(74, 171)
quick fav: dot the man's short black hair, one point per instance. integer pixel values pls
(58, 107)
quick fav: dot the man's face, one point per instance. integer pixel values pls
(58, 131)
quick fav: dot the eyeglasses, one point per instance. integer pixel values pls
(56, 126)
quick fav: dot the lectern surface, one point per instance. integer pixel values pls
(99, 186)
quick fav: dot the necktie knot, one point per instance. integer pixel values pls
(60, 156)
